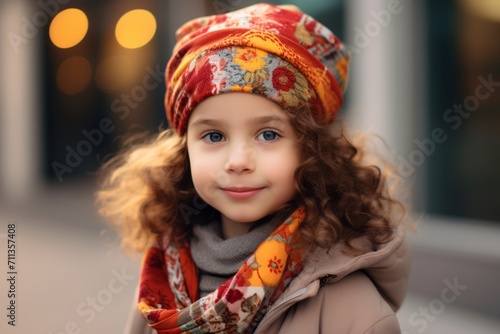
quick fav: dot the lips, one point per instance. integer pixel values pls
(242, 193)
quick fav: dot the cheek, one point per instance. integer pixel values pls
(205, 170)
(197, 162)
(199, 177)
(292, 165)
(282, 166)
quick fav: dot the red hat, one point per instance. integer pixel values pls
(277, 52)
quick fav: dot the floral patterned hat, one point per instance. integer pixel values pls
(275, 51)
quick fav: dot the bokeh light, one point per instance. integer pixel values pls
(135, 28)
(68, 28)
(489, 9)
(114, 73)
(74, 75)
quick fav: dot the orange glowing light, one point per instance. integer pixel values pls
(74, 75)
(135, 28)
(68, 28)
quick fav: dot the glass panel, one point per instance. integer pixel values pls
(464, 100)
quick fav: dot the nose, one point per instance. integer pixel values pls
(241, 159)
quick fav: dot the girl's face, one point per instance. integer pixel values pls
(243, 153)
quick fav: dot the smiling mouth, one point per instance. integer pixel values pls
(241, 193)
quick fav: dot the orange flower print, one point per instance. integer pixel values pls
(341, 67)
(303, 35)
(250, 59)
(283, 79)
(271, 256)
(275, 265)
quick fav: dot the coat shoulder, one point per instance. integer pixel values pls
(350, 305)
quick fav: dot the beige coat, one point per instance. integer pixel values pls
(337, 294)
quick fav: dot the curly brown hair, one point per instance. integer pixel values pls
(147, 190)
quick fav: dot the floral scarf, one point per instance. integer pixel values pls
(168, 292)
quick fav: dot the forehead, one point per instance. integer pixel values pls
(237, 107)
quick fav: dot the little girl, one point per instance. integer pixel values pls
(256, 215)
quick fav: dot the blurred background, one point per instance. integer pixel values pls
(79, 76)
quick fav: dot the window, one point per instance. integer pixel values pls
(464, 100)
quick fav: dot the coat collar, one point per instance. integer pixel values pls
(387, 266)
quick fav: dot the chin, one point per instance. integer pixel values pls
(245, 218)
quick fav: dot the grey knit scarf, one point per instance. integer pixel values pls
(217, 258)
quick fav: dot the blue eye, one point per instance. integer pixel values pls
(268, 135)
(213, 137)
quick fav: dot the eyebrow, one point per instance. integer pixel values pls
(269, 119)
(256, 121)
